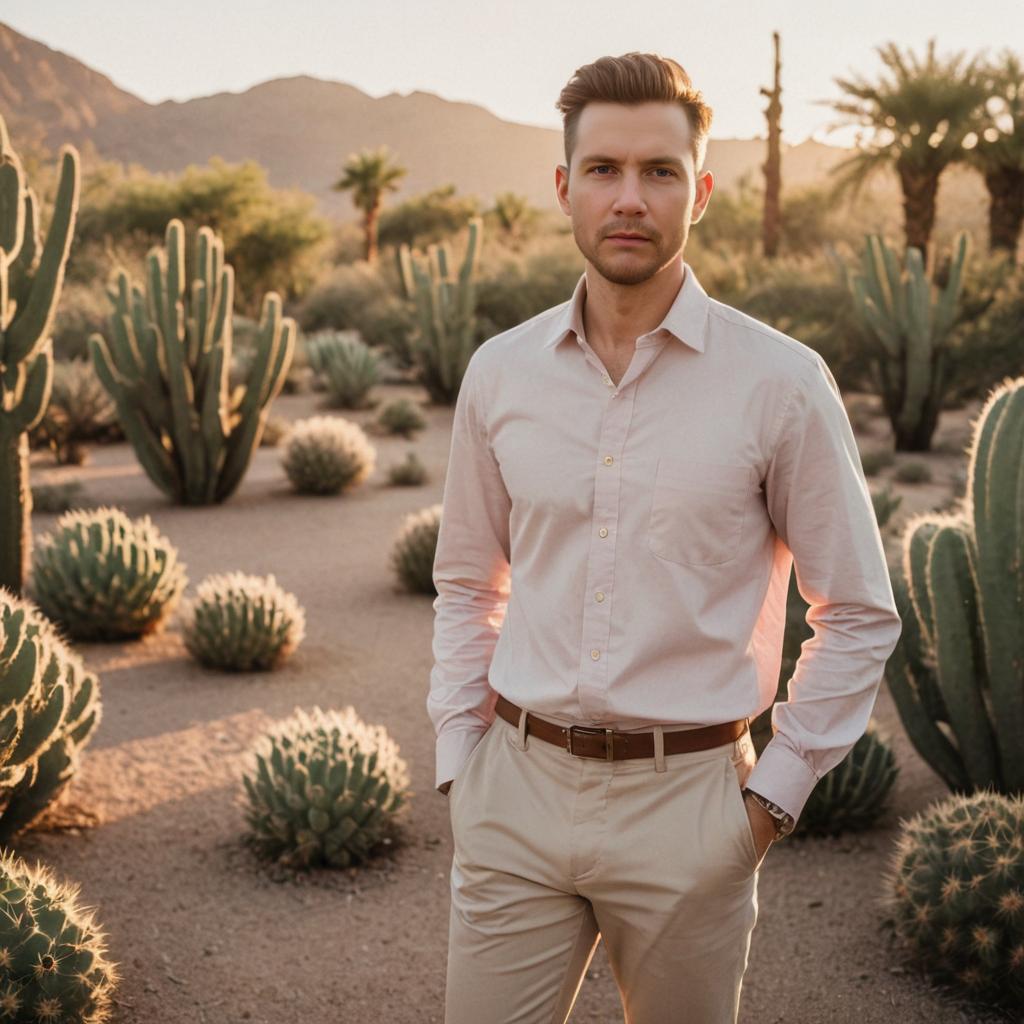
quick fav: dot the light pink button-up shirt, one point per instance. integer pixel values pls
(619, 555)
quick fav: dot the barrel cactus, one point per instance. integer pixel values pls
(104, 576)
(49, 709)
(853, 795)
(242, 623)
(53, 956)
(955, 887)
(31, 277)
(347, 364)
(167, 365)
(324, 789)
(957, 673)
(412, 556)
(327, 455)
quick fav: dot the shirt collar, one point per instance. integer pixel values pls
(686, 319)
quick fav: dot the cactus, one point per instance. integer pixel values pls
(445, 310)
(885, 503)
(104, 576)
(327, 455)
(49, 708)
(412, 556)
(31, 277)
(910, 334)
(957, 673)
(167, 367)
(853, 795)
(410, 473)
(324, 789)
(349, 366)
(242, 623)
(955, 886)
(400, 417)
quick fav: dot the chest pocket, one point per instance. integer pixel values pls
(697, 510)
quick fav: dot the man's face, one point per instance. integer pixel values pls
(632, 172)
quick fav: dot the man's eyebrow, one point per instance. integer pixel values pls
(601, 159)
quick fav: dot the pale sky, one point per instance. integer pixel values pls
(511, 57)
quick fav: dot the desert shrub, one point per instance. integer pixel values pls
(242, 623)
(913, 472)
(274, 431)
(56, 498)
(412, 555)
(327, 455)
(79, 410)
(348, 366)
(885, 504)
(873, 462)
(82, 310)
(410, 473)
(400, 417)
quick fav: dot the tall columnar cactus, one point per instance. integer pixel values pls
(910, 333)
(445, 311)
(31, 276)
(49, 707)
(167, 368)
(960, 660)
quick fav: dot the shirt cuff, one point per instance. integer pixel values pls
(783, 777)
(453, 749)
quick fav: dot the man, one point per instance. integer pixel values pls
(633, 474)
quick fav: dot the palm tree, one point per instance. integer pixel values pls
(999, 153)
(918, 120)
(368, 175)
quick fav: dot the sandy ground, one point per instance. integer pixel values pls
(151, 828)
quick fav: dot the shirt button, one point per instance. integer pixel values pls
(608, 460)
(603, 532)
(599, 596)
(607, 379)
(595, 654)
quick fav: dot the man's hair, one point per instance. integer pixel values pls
(632, 79)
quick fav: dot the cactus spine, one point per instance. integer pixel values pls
(31, 276)
(960, 660)
(446, 311)
(167, 368)
(910, 334)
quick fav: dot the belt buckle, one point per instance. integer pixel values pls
(591, 730)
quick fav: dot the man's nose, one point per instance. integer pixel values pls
(629, 199)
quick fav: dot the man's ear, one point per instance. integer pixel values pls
(562, 187)
(705, 186)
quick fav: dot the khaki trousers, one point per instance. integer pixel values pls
(554, 852)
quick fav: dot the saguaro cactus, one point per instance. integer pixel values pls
(31, 275)
(960, 660)
(446, 311)
(167, 368)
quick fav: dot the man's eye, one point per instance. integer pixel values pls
(599, 166)
(671, 172)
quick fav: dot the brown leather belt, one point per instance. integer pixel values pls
(609, 745)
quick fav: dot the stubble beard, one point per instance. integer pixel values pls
(631, 267)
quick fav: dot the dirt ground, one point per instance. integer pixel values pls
(151, 828)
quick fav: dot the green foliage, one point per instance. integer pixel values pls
(410, 473)
(515, 218)
(31, 276)
(955, 887)
(80, 410)
(104, 576)
(55, 966)
(885, 504)
(242, 623)
(957, 672)
(56, 498)
(327, 455)
(401, 417)
(166, 365)
(325, 789)
(412, 555)
(349, 367)
(427, 218)
(872, 462)
(49, 709)
(914, 472)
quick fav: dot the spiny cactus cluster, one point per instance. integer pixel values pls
(49, 709)
(324, 789)
(956, 889)
(53, 962)
(167, 365)
(242, 623)
(31, 277)
(853, 795)
(414, 550)
(347, 364)
(104, 576)
(957, 672)
(327, 455)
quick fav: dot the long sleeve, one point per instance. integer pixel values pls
(472, 577)
(820, 506)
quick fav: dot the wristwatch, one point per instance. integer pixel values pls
(784, 821)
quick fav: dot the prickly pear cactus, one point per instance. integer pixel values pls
(242, 623)
(53, 962)
(167, 364)
(412, 556)
(324, 789)
(955, 887)
(327, 455)
(104, 576)
(31, 277)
